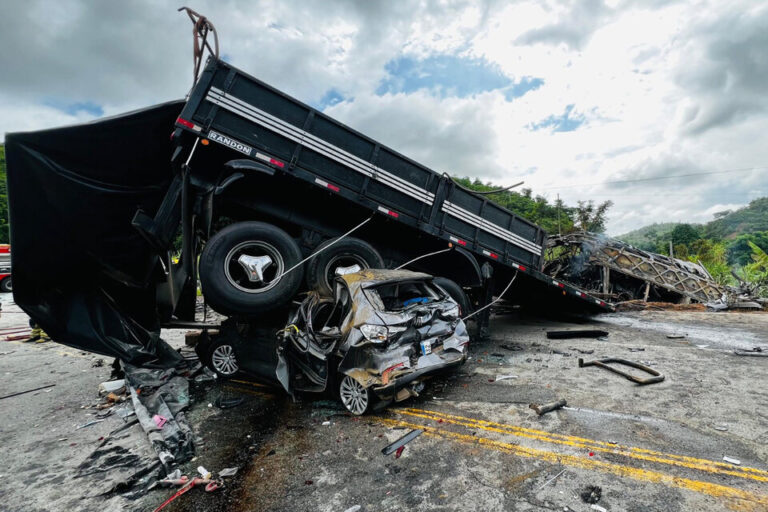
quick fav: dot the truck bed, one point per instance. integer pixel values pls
(242, 113)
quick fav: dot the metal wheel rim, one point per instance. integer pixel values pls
(353, 395)
(236, 274)
(342, 260)
(224, 360)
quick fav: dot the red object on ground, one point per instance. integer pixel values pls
(399, 452)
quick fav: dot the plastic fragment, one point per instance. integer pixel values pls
(353, 508)
(160, 421)
(731, 460)
(204, 472)
(399, 452)
(505, 377)
(598, 508)
(88, 424)
(228, 472)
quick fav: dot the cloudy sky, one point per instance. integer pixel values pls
(620, 100)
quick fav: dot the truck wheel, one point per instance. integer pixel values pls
(456, 292)
(321, 269)
(242, 265)
(6, 285)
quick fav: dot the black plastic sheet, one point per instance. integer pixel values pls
(80, 270)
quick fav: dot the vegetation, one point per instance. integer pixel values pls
(553, 217)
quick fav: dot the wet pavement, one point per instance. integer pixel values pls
(657, 447)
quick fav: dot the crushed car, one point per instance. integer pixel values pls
(381, 335)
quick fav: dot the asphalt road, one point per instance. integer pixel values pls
(657, 447)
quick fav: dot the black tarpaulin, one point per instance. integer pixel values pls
(80, 270)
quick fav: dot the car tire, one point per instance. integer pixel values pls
(227, 286)
(355, 398)
(222, 359)
(347, 252)
(6, 285)
(456, 292)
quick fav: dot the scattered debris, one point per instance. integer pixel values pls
(583, 333)
(543, 409)
(98, 363)
(229, 403)
(354, 508)
(27, 391)
(112, 386)
(730, 460)
(400, 443)
(721, 428)
(204, 472)
(755, 352)
(505, 377)
(580, 351)
(93, 422)
(636, 349)
(676, 336)
(604, 363)
(230, 471)
(591, 494)
(187, 484)
(512, 348)
(550, 480)
(598, 508)
(160, 421)
(399, 452)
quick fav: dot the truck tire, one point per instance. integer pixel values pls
(456, 292)
(350, 251)
(229, 288)
(6, 285)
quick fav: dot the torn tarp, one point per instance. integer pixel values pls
(80, 269)
(166, 394)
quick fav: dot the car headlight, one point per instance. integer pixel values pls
(379, 333)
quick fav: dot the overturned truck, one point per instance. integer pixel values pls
(258, 196)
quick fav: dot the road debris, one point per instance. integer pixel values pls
(112, 386)
(755, 352)
(550, 480)
(591, 494)
(598, 508)
(731, 460)
(27, 391)
(512, 348)
(604, 363)
(400, 443)
(353, 508)
(230, 471)
(721, 428)
(676, 336)
(505, 377)
(583, 333)
(229, 403)
(552, 406)
(93, 422)
(187, 484)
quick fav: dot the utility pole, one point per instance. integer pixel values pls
(559, 231)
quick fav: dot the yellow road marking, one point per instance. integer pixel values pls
(742, 500)
(593, 445)
(248, 382)
(249, 392)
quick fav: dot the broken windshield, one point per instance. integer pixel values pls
(399, 296)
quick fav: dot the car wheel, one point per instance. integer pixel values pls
(222, 359)
(321, 270)
(6, 285)
(356, 398)
(241, 269)
(456, 293)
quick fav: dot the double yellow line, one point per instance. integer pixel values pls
(742, 500)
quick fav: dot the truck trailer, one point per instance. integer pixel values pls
(256, 195)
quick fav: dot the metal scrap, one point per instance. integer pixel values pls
(400, 443)
(583, 333)
(605, 363)
(543, 409)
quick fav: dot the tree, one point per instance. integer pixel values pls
(589, 217)
(684, 234)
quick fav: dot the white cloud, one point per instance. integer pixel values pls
(663, 88)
